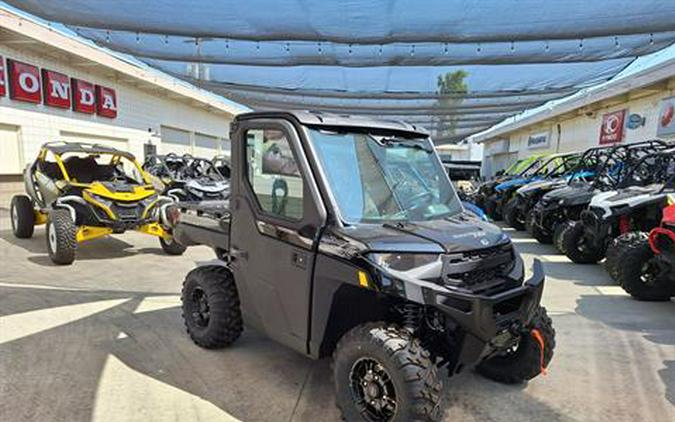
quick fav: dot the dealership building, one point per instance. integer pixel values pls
(56, 86)
(636, 105)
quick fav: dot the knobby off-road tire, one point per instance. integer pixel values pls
(541, 235)
(512, 215)
(631, 273)
(22, 216)
(558, 235)
(491, 209)
(526, 361)
(210, 305)
(615, 250)
(171, 246)
(61, 237)
(394, 355)
(529, 222)
(576, 251)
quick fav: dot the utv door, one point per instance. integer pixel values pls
(276, 215)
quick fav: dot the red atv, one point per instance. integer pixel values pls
(647, 271)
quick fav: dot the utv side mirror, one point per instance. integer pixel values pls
(308, 231)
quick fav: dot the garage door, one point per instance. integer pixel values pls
(175, 140)
(118, 143)
(205, 146)
(10, 153)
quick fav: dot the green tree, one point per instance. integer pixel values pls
(451, 86)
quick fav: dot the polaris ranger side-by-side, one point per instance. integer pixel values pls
(343, 236)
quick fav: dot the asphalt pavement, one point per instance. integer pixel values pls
(103, 340)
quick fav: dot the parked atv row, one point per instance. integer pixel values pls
(606, 207)
(188, 178)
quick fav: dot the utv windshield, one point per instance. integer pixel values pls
(379, 179)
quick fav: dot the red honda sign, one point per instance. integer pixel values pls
(106, 102)
(24, 82)
(612, 127)
(84, 96)
(3, 87)
(56, 89)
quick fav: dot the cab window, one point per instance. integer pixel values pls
(273, 173)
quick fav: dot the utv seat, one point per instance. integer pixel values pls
(87, 170)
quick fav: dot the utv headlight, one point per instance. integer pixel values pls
(561, 202)
(101, 200)
(403, 261)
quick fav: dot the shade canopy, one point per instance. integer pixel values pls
(456, 66)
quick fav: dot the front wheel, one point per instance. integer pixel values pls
(617, 247)
(512, 215)
(171, 247)
(61, 237)
(23, 216)
(211, 309)
(540, 234)
(382, 373)
(640, 273)
(528, 358)
(578, 248)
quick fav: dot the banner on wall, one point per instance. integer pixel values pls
(612, 128)
(666, 123)
(538, 140)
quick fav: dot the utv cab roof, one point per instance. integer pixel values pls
(61, 147)
(333, 121)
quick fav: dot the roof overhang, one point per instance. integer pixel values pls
(621, 85)
(27, 34)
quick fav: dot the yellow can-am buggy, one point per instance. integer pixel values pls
(84, 191)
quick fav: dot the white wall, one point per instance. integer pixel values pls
(582, 132)
(138, 111)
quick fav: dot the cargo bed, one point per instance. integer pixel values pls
(204, 223)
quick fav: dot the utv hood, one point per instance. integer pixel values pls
(515, 183)
(209, 186)
(570, 195)
(120, 191)
(456, 234)
(542, 185)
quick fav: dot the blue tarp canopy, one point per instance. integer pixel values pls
(456, 66)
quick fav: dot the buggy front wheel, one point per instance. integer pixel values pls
(382, 373)
(23, 216)
(61, 237)
(171, 247)
(640, 274)
(578, 248)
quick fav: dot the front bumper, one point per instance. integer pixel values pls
(486, 316)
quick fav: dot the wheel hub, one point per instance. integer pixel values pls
(51, 233)
(373, 390)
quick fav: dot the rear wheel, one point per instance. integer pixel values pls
(528, 358)
(171, 247)
(211, 309)
(61, 237)
(641, 275)
(513, 216)
(22, 216)
(616, 249)
(578, 247)
(382, 373)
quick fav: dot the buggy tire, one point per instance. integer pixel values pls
(61, 237)
(172, 247)
(529, 222)
(512, 215)
(409, 368)
(558, 235)
(636, 254)
(527, 361)
(210, 307)
(570, 244)
(491, 209)
(616, 249)
(541, 235)
(23, 216)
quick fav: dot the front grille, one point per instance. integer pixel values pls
(478, 270)
(127, 212)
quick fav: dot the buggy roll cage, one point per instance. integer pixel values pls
(657, 167)
(621, 158)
